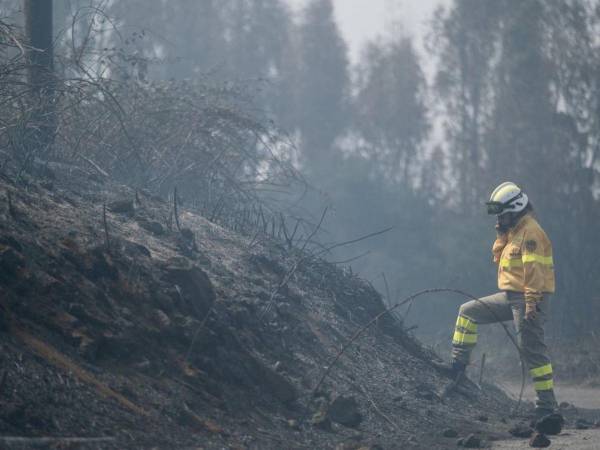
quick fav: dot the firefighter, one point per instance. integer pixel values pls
(523, 254)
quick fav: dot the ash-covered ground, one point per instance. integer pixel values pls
(122, 327)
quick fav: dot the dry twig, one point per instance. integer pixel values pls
(11, 209)
(363, 329)
(197, 333)
(175, 212)
(105, 222)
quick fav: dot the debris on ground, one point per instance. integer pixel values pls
(539, 440)
(471, 441)
(345, 411)
(450, 433)
(583, 424)
(521, 430)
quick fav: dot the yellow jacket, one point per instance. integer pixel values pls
(524, 258)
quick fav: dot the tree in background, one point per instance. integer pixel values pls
(323, 85)
(186, 37)
(520, 139)
(258, 36)
(572, 52)
(389, 108)
(537, 135)
(519, 80)
(244, 41)
(260, 33)
(464, 40)
(377, 180)
(516, 83)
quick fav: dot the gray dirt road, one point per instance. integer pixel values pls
(570, 439)
(581, 397)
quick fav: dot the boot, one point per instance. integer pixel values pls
(454, 369)
(548, 422)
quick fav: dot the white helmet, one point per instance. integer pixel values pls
(508, 197)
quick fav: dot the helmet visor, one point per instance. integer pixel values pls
(499, 207)
(495, 208)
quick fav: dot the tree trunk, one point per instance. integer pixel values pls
(38, 28)
(40, 59)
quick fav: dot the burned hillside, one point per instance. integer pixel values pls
(117, 325)
(194, 233)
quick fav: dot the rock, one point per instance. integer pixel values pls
(152, 226)
(163, 301)
(121, 207)
(267, 265)
(482, 418)
(10, 241)
(194, 287)
(122, 348)
(582, 424)
(539, 440)
(425, 391)
(98, 264)
(135, 250)
(357, 435)
(550, 424)
(450, 433)
(10, 262)
(143, 364)
(187, 234)
(161, 318)
(521, 430)
(186, 242)
(345, 411)
(48, 185)
(278, 385)
(471, 441)
(320, 420)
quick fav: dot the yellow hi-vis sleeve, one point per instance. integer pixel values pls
(535, 265)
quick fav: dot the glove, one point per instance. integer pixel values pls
(530, 310)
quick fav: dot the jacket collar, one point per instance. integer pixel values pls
(521, 223)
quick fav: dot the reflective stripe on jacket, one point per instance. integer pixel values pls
(524, 258)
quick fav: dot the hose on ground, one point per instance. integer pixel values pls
(410, 298)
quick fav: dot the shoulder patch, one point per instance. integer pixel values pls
(530, 245)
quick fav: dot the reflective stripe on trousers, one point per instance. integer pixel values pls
(542, 377)
(465, 331)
